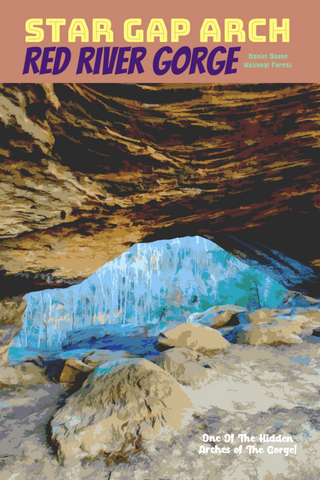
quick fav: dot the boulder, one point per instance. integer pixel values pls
(219, 316)
(120, 405)
(74, 372)
(193, 336)
(288, 326)
(264, 316)
(22, 376)
(259, 316)
(71, 370)
(182, 364)
(316, 332)
(301, 317)
(264, 321)
(297, 299)
(284, 333)
(301, 320)
(312, 315)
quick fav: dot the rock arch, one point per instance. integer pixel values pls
(89, 170)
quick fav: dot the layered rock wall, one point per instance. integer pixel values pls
(89, 170)
(11, 310)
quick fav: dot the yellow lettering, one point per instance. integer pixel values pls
(234, 26)
(157, 28)
(78, 28)
(37, 33)
(210, 28)
(253, 24)
(127, 30)
(274, 30)
(101, 26)
(55, 24)
(179, 27)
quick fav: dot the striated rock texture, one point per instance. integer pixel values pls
(89, 170)
(11, 310)
(120, 405)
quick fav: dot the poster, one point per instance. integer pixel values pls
(124, 125)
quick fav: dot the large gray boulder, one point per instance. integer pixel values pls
(265, 315)
(282, 332)
(121, 404)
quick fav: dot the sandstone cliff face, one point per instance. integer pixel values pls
(11, 310)
(89, 170)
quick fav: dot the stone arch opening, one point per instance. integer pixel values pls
(108, 166)
(150, 288)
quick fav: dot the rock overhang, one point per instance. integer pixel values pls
(89, 170)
